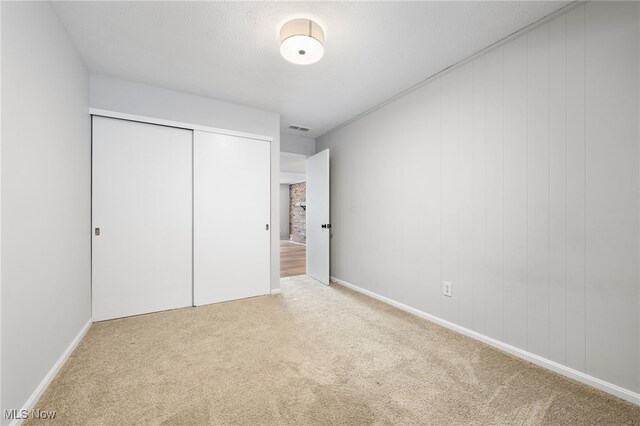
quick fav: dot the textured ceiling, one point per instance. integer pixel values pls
(229, 50)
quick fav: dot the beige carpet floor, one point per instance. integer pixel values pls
(312, 355)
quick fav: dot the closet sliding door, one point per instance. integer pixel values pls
(142, 218)
(231, 217)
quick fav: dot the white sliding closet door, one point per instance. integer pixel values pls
(231, 217)
(142, 206)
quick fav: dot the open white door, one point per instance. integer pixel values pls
(318, 223)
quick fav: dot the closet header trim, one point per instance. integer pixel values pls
(178, 124)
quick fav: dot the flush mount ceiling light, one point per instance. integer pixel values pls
(301, 41)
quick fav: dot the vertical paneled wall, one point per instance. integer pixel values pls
(515, 177)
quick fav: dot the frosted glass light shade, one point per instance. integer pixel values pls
(301, 41)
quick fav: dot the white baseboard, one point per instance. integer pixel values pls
(520, 353)
(276, 291)
(35, 396)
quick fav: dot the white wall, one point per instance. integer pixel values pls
(284, 212)
(297, 144)
(46, 164)
(515, 177)
(140, 99)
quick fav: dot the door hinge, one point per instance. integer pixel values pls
(267, 227)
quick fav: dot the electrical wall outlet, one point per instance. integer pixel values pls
(446, 288)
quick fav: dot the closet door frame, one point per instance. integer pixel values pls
(98, 112)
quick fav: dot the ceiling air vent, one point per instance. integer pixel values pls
(299, 128)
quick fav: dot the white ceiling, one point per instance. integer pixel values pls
(289, 178)
(229, 50)
(293, 163)
(293, 167)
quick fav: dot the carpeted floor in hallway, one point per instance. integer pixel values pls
(311, 355)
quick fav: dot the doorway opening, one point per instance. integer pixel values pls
(293, 250)
(305, 229)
